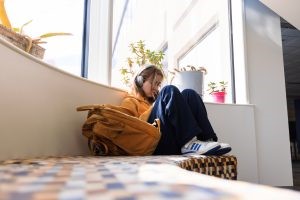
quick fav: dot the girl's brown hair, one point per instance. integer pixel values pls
(146, 72)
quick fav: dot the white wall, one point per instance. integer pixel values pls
(235, 124)
(267, 92)
(38, 103)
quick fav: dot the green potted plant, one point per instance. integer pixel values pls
(217, 90)
(140, 56)
(19, 39)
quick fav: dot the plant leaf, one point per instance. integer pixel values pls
(17, 30)
(21, 28)
(54, 34)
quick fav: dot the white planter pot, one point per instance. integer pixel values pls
(189, 80)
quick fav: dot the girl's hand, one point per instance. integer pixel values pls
(155, 94)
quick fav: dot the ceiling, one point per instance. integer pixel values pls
(288, 9)
(291, 57)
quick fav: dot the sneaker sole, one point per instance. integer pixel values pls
(211, 151)
(219, 152)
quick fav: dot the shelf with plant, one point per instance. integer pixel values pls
(18, 38)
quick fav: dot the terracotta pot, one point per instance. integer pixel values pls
(219, 97)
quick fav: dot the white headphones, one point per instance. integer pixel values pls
(139, 80)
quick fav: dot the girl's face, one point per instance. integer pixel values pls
(152, 85)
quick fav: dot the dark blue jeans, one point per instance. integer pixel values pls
(183, 116)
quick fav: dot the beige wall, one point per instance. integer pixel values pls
(38, 103)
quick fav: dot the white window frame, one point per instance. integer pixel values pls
(100, 41)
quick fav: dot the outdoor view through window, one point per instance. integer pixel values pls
(48, 16)
(189, 32)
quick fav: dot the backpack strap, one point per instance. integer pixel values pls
(90, 107)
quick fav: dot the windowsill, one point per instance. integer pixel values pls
(228, 104)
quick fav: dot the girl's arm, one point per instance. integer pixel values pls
(131, 105)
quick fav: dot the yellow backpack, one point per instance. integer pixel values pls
(111, 130)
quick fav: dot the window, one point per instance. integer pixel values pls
(208, 46)
(47, 16)
(207, 53)
(135, 20)
(190, 32)
(194, 30)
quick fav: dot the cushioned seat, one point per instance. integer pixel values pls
(219, 166)
(125, 177)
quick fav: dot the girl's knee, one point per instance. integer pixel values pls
(189, 92)
(170, 88)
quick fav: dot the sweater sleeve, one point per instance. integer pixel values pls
(131, 105)
(137, 107)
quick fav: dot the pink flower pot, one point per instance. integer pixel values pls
(219, 97)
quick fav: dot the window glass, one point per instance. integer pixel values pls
(208, 44)
(196, 33)
(208, 54)
(190, 32)
(133, 21)
(47, 16)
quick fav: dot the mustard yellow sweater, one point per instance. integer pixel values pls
(138, 106)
